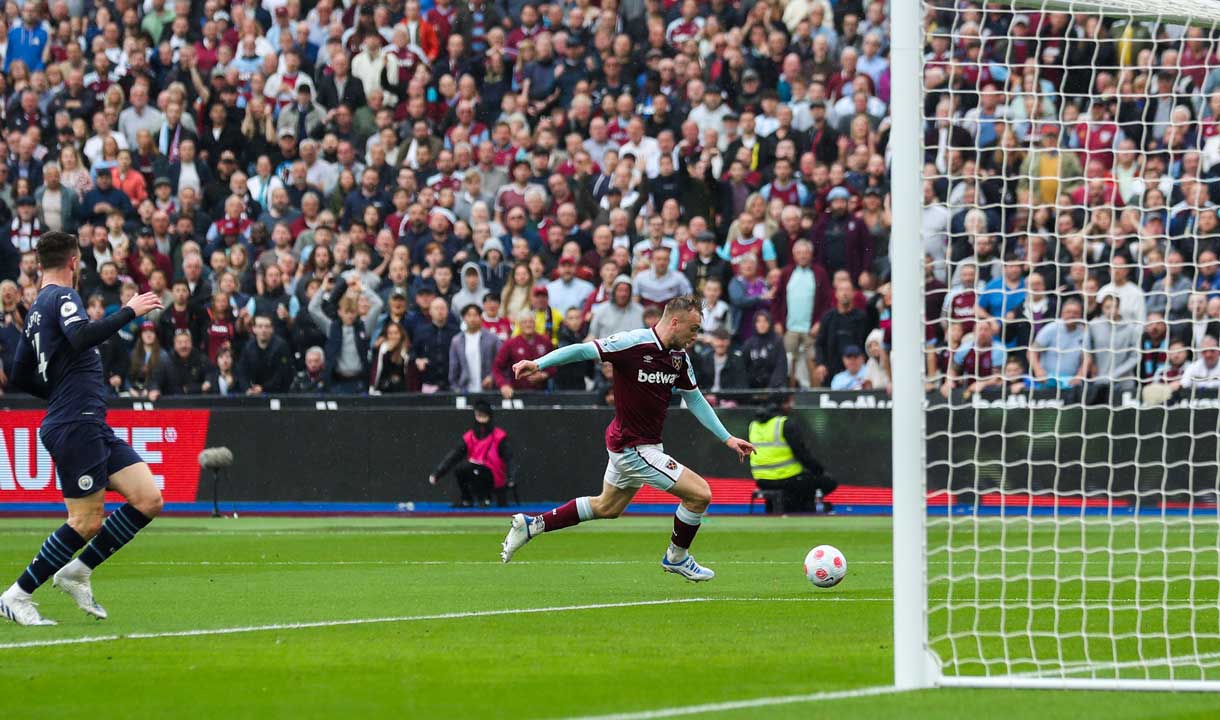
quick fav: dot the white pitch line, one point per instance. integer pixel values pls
(744, 704)
(337, 623)
(392, 563)
(405, 618)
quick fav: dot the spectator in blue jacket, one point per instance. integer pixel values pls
(28, 42)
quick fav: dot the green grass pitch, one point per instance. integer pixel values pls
(758, 631)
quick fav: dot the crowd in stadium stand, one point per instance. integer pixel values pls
(412, 195)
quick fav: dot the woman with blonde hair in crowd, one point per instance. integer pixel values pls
(72, 172)
(517, 291)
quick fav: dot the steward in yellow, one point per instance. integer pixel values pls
(784, 459)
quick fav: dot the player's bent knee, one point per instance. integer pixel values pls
(150, 507)
(88, 523)
(136, 484)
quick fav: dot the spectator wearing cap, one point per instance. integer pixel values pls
(186, 370)
(146, 246)
(440, 233)
(25, 228)
(58, 205)
(430, 347)
(1047, 172)
(472, 353)
(301, 118)
(567, 290)
(841, 240)
(709, 114)
(853, 376)
(547, 320)
(707, 264)
(720, 367)
(526, 344)
(266, 361)
(104, 198)
(842, 326)
(802, 295)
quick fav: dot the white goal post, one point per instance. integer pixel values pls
(1051, 531)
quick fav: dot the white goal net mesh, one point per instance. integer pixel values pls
(1071, 180)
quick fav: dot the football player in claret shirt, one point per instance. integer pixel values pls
(57, 360)
(650, 364)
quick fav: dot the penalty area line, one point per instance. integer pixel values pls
(744, 704)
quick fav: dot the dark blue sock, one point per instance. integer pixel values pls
(56, 552)
(117, 531)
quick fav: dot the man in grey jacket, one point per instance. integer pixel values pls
(472, 353)
(1114, 347)
(620, 314)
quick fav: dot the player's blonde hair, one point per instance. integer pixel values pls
(683, 304)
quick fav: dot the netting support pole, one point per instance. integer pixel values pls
(911, 668)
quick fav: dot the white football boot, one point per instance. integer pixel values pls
(73, 579)
(524, 529)
(18, 607)
(687, 568)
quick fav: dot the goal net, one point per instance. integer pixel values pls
(1070, 156)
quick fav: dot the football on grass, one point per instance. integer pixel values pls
(825, 566)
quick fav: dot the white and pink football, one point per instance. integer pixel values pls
(825, 566)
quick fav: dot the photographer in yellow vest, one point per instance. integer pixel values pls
(784, 459)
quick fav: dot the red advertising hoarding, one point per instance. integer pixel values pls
(168, 440)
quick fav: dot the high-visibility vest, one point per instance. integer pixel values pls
(774, 459)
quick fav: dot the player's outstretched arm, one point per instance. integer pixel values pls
(707, 417)
(564, 355)
(83, 333)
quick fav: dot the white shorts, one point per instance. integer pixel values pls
(642, 465)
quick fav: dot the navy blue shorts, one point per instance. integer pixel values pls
(86, 454)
